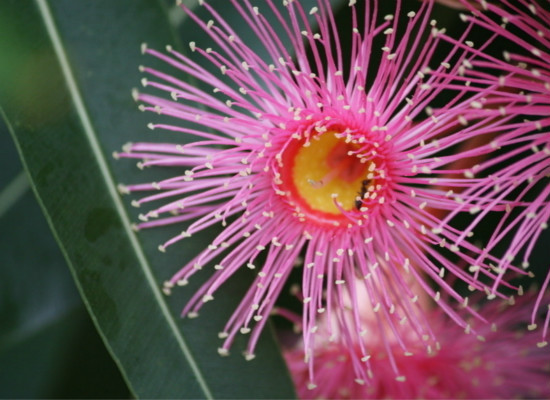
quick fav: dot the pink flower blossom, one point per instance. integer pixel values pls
(501, 360)
(319, 158)
(519, 104)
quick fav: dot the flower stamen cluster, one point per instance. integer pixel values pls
(303, 162)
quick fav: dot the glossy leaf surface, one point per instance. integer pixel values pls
(66, 96)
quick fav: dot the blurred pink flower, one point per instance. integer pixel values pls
(499, 360)
(317, 158)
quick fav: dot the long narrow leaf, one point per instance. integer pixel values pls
(69, 112)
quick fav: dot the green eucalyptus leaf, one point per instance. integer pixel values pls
(48, 346)
(65, 93)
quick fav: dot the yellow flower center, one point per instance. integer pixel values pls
(326, 176)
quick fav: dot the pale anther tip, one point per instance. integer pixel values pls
(123, 189)
(223, 352)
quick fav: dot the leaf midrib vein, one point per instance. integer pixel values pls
(96, 150)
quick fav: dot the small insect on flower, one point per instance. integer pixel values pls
(361, 194)
(285, 143)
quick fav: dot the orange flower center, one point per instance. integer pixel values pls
(326, 176)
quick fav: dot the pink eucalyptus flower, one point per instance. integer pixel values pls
(299, 158)
(519, 104)
(501, 360)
